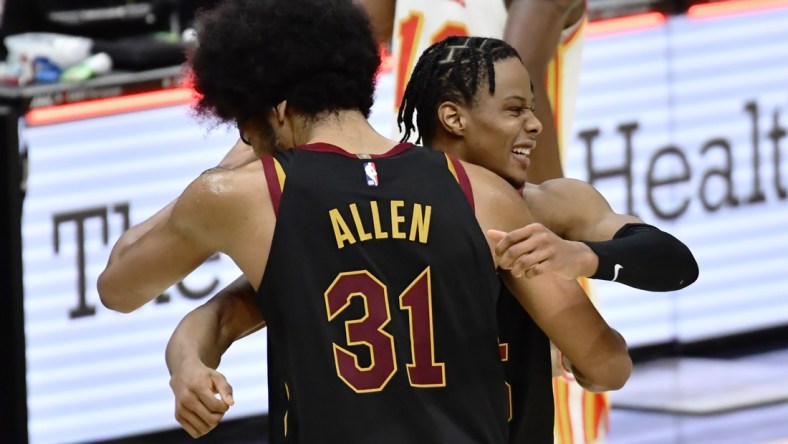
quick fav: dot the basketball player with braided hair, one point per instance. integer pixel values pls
(460, 100)
(548, 35)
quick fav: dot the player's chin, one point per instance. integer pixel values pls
(516, 176)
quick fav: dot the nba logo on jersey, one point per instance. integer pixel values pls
(372, 174)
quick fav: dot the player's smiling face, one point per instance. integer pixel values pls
(501, 127)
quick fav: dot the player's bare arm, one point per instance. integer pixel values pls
(240, 154)
(598, 353)
(534, 250)
(580, 235)
(560, 307)
(575, 210)
(568, 211)
(624, 248)
(194, 352)
(203, 220)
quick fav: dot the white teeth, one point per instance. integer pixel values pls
(523, 151)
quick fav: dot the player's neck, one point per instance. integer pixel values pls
(446, 144)
(350, 131)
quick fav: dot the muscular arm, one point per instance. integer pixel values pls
(130, 279)
(150, 235)
(559, 307)
(646, 257)
(195, 350)
(533, 28)
(208, 217)
(206, 332)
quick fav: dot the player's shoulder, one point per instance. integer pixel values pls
(223, 183)
(488, 183)
(227, 192)
(491, 192)
(219, 201)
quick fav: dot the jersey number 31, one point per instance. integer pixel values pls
(369, 331)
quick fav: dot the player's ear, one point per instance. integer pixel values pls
(243, 128)
(280, 111)
(451, 118)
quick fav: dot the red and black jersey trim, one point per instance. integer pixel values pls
(458, 171)
(275, 177)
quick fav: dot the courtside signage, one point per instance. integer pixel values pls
(94, 374)
(685, 126)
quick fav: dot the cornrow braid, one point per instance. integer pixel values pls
(450, 70)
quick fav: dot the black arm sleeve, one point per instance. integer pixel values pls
(644, 257)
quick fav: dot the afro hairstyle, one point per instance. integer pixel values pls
(319, 55)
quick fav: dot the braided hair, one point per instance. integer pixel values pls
(450, 70)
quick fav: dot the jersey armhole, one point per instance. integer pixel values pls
(275, 177)
(458, 171)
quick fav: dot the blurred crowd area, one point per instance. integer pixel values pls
(49, 37)
(47, 41)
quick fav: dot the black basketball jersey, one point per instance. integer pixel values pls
(525, 351)
(380, 300)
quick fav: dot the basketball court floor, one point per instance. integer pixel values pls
(741, 400)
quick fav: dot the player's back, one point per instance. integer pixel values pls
(379, 297)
